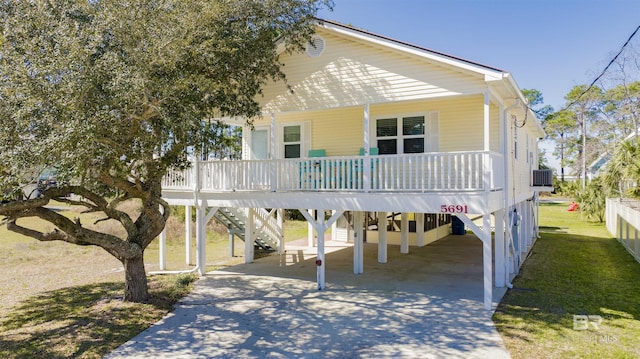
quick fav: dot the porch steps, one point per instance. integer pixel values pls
(234, 219)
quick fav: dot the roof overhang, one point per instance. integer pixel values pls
(442, 58)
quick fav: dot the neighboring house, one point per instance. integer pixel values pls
(396, 142)
(599, 165)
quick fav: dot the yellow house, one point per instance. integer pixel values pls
(383, 134)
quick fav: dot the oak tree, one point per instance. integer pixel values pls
(114, 93)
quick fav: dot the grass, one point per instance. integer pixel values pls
(86, 321)
(575, 268)
(59, 300)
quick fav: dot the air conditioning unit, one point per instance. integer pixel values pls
(542, 178)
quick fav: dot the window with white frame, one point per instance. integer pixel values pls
(294, 139)
(407, 134)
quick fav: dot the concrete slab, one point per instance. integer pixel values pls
(425, 304)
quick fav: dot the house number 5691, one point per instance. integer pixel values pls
(453, 208)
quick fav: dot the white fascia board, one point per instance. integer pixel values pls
(414, 50)
(509, 82)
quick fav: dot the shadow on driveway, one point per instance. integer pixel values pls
(426, 304)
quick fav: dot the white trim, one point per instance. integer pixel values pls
(431, 134)
(305, 137)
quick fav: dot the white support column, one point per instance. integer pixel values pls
(163, 249)
(201, 239)
(420, 229)
(521, 233)
(485, 236)
(321, 227)
(524, 227)
(366, 171)
(487, 261)
(365, 132)
(487, 122)
(272, 133)
(231, 243)
(272, 152)
(486, 161)
(382, 237)
(358, 242)
(500, 249)
(350, 228)
(404, 233)
(320, 262)
(334, 227)
(280, 219)
(248, 236)
(527, 211)
(187, 234)
(531, 225)
(310, 241)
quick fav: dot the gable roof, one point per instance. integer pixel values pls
(498, 81)
(408, 47)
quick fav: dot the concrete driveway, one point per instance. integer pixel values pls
(425, 304)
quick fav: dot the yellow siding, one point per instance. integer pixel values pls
(351, 72)
(340, 131)
(461, 120)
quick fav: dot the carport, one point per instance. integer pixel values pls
(425, 304)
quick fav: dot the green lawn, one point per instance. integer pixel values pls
(575, 268)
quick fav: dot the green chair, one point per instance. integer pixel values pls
(317, 153)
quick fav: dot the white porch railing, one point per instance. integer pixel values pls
(423, 172)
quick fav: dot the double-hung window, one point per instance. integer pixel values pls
(407, 134)
(292, 139)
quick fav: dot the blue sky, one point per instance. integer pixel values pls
(549, 45)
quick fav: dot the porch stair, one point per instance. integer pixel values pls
(235, 218)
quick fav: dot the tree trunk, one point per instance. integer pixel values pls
(135, 280)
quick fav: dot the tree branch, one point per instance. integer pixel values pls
(99, 205)
(55, 235)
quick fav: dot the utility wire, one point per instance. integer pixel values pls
(603, 71)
